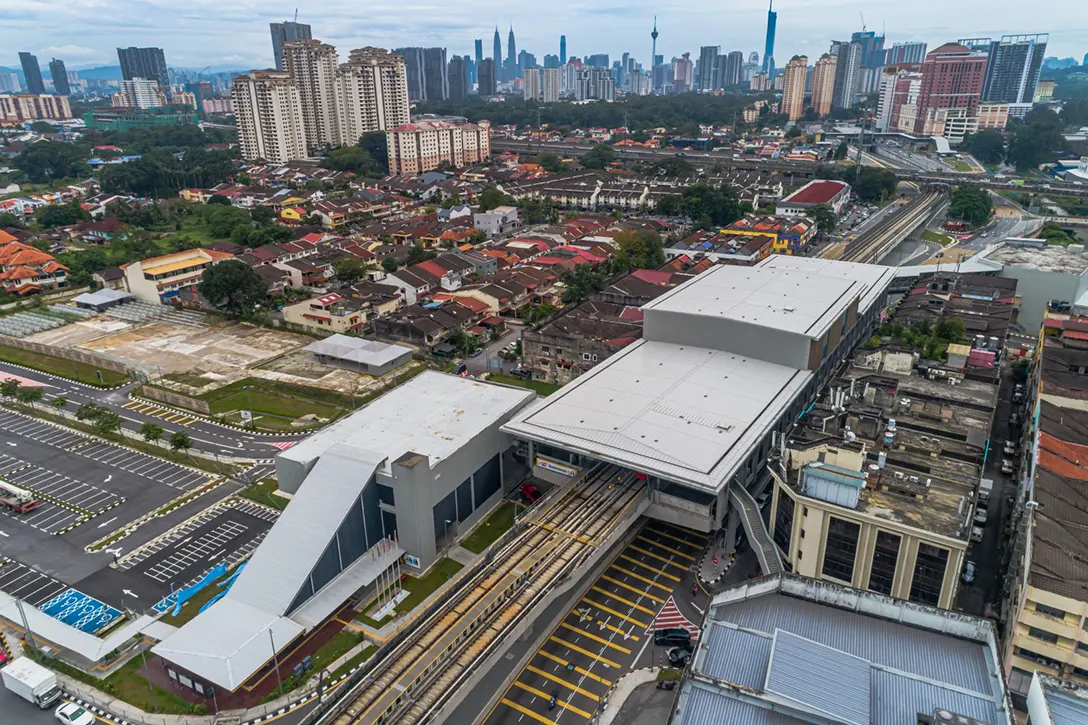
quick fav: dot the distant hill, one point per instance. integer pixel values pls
(101, 73)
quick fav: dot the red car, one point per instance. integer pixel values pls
(530, 492)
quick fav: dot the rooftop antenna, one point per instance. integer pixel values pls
(296, 15)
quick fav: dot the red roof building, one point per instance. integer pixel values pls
(26, 270)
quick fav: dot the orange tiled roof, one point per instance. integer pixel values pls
(17, 253)
(6, 238)
(1063, 458)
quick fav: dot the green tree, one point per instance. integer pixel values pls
(418, 254)
(639, 249)
(376, 144)
(88, 411)
(951, 329)
(60, 402)
(708, 205)
(263, 215)
(151, 432)
(673, 167)
(180, 442)
(491, 198)
(351, 269)
(355, 159)
(1075, 113)
(598, 157)
(218, 199)
(222, 220)
(971, 205)
(988, 145)
(389, 264)
(584, 281)
(9, 388)
(462, 342)
(1037, 140)
(42, 127)
(107, 422)
(233, 286)
(7, 219)
(30, 395)
(825, 218)
(61, 215)
(550, 162)
(48, 161)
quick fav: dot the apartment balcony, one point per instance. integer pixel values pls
(1031, 618)
(1061, 652)
(1028, 664)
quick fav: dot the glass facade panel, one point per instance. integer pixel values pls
(885, 558)
(486, 481)
(464, 500)
(328, 566)
(783, 522)
(445, 510)
(386, 494)
(841, 549)
(925, 585)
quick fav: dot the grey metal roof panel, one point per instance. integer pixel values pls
(700, 705)
(1066, 709)
(898, 699)
(294, 544)
(820, 678)
(724, 659)
(926, 653)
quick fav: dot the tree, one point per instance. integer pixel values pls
(180, 442)
(355, 159)
(951, 329)
(389, 264)
(151, 432)
(794, 131)
(376, 144)
(60, 402)
(351, 269)
(30, 396)
(48, 161)
(708, 205)
(971, 205)
(1075, 113)
(537, 313)
(988, 145)
(639, 249)
(825, 218)
(9, 388)
(42, 127)
(263, 215)
(1037, 140)
(7, 219)
(221, 220)
(550, 162)
(598, 157)
(418, 254)
(673, 167)
(583, 281)
(233, 286)
(88, 411)
(107, 422)
(219, 199)
(61, 215)
(491, 198)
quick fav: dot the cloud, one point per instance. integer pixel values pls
(211, 32)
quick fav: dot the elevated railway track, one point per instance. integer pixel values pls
(417, 678)
(877, 243)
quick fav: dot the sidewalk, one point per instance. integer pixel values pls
(613, 701)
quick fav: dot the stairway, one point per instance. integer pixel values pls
(767, 553)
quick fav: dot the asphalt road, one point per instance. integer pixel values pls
(205, 435)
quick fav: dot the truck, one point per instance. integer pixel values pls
(985, 488)
(32, 682)
(18, 500)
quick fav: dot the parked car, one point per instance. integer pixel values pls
(520, 373)
(980, 516)
(529, 492)
(666, 685)
(1007, 467)
(976, 535)
(477, 352)
(1010, 448)
(679, 657)
(968, 575)
(671, 636)
(72, 714)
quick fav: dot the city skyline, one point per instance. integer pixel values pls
(238, 37)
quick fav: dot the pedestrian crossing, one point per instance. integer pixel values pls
(154, 411)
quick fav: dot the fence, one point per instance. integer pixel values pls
(177, 399)
(67, 353)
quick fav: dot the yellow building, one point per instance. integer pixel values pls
(160, 278)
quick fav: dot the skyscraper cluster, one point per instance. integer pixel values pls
(317, 102)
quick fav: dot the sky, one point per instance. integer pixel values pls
(198, 33)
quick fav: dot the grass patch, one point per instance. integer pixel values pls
(329, 652)
(542, 388)
(963, 166)
(126, 684)
(69, 369)
(668, 673)
(262, 492)
(267, 402)
(192, 606)
(930, 236)
(489, 530)
(354, 661)
(419, 588)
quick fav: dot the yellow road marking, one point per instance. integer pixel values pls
(579, 670)
(526, 711)
(628, 602)
(641, 578)
(190, 422)
(144, 408)
(595, 638)
(667, 548)
(613, 612)
(585, 652)
(674, 538)
(560, 703)
(131, 404)
(162, 414)
(561, 681)
(632, 547)
(696, 544)
(618, 583)
(651, 568)
(174, 417)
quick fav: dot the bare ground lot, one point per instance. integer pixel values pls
(220, 352)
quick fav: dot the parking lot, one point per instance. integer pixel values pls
(227, 532)
(55, 598)
(609, 630)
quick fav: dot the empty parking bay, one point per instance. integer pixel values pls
(140, 464)
(22, 582)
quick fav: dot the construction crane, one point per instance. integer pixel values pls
(863, 28)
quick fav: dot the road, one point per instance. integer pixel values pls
(205, 435)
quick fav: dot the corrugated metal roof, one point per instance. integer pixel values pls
(1066, 709)
(821, 678)
(699, 705)
(898, 699)
(922, 652)
(283, 561)
(722, 643)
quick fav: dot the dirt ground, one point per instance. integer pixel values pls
(300, 368)
(223, 350)
(951, 256)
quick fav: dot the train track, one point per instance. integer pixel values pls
(416, 679)
(872, 247)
